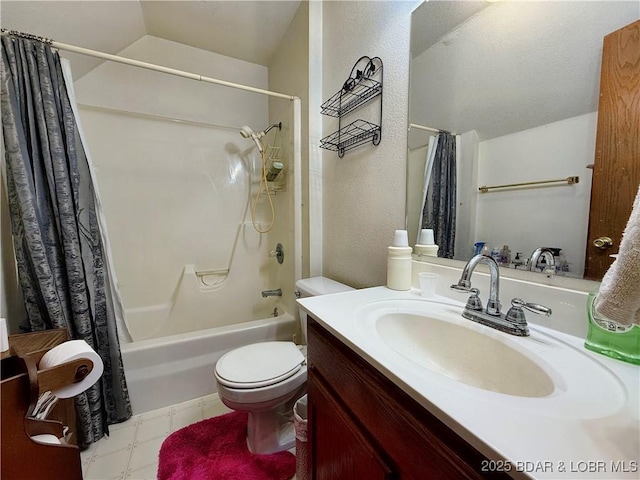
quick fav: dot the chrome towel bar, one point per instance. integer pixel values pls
(569, 181)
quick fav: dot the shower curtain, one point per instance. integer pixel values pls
(60, 255)
(439, 209)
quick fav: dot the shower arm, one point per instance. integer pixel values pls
(266, 130)
(258, 136)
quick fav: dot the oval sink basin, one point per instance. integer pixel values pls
(429, 336)
(463, 354)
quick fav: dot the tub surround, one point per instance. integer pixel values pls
(581, 430)
(163, 182)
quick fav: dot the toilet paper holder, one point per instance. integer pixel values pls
(22, 384)
(49, 379)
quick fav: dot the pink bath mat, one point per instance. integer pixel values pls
(216, 449)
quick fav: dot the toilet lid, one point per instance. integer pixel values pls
(259, 364)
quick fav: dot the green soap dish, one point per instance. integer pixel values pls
(610, 338)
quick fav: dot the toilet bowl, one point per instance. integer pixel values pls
(265, 379)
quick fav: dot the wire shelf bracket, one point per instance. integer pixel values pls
(356, 91)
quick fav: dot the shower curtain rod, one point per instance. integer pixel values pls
(428, 129)
(148, 66)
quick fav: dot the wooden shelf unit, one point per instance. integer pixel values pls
(22, 383)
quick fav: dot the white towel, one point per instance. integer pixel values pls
(619, 295)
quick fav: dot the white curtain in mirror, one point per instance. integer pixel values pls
(428, 167)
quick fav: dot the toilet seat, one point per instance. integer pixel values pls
(259, 365)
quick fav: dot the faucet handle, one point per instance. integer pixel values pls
(474, 302)
(516, 312)
(462, 288)
(533, 307)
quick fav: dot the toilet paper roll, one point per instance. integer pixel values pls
(47, 438)
(68, 351)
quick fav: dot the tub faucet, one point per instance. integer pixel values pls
(547, 254)
(272, 293)
(514, 322)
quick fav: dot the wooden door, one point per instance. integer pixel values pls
(616, 171)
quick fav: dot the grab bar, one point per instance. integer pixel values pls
(204, 273)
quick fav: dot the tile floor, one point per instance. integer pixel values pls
(131, 450)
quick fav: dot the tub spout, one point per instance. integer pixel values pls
(272, 293)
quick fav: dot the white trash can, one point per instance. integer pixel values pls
(300, 421)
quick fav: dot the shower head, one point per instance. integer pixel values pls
(247, 132)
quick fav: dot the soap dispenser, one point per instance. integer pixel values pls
(399, 262)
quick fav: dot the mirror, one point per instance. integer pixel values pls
(518, 83)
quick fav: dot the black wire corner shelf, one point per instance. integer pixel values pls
(359, 88)
(352, 136)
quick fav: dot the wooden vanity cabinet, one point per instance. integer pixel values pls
(363, 426)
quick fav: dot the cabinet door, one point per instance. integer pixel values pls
(366, 424)
(340, 450)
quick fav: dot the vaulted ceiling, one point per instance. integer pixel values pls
(247, 30)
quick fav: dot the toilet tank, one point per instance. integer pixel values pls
(311, 287)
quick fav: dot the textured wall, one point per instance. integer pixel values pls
(364, 192)
(294, 49)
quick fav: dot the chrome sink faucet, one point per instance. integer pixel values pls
(550, 262)
(514, 322)
(464, 284)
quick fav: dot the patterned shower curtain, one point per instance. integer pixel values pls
(439, 211)
(59, 253)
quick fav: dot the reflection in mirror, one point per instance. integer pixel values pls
(517, 83)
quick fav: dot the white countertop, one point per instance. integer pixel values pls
(579, 431)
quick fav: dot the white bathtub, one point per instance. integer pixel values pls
(168, 370)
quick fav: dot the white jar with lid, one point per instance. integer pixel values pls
(426, 246)
(399, 262)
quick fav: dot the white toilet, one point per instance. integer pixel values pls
(265, 379)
